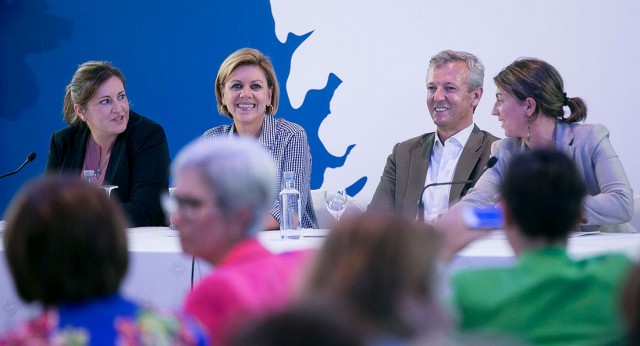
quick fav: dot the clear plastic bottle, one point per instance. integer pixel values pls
(289, 209)
(89, 175)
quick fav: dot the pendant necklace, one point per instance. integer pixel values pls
(99, 170)
(102, 162)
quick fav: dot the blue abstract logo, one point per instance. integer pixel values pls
(169, 52)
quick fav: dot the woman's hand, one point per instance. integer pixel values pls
(455, 234)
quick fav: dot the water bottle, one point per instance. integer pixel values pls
(89, 175)
(289, 209)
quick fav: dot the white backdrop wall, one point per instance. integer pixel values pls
(380, 51)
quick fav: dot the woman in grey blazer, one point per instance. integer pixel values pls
(530, 101)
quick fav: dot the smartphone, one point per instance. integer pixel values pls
(483, 218)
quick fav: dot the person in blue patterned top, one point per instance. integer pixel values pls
(66, 248)
(247, 91)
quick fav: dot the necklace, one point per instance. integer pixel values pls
(97, 159)
(102, 162)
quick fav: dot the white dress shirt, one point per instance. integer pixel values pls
(442, 166)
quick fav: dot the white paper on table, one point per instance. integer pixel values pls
(582, 234)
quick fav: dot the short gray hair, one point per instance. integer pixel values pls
(238, 170)
(475, 78)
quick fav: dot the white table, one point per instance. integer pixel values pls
(160, 274)
(490, 251)
(495, 250)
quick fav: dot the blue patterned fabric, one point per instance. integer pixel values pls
(110, 320)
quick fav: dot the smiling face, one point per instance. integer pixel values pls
(107, 112)
(512, 113)
(449, 100)
(246, 95)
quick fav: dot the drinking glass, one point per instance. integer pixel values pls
(108, 188)
(336, 202)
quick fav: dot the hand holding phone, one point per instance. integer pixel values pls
(483, 218)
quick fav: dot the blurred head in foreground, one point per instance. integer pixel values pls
(381, 269)
(223, 190)
(542, 198)
(300, 325)
(630, 304)
(65, 241)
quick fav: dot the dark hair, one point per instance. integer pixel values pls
(85, 82)
(630, 305)
(374, 264)
(65, 241)
(300, 325)
(544, 193)
(529, 77)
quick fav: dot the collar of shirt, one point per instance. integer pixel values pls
(442, 165)
(454, 146)
(460, 138)
(267, 133)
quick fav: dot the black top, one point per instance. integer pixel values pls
(139, 165)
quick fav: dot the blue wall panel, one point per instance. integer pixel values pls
(169, 51)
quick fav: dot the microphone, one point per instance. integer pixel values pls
(490, 163)
(30, 158)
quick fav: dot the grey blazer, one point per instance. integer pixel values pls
(608, 206)
(405, 172)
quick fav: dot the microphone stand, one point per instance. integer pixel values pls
(490, 163)
(30, 158)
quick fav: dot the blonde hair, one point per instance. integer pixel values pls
(247, 57)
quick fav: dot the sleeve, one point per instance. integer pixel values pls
(462, 302)
(149, 167)
(53, 161)
(296, 158)
(384, 196)
(614, 202)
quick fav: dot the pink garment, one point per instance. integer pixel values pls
(97, 162)
(248, 283)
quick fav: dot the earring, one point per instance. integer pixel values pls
(529, 131)
(269, 110)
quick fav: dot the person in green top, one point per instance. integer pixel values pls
(546, 298)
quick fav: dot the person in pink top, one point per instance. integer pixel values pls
(224, 188)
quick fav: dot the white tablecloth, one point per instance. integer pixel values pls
(489, 251)
(495, 250)
(160, 274)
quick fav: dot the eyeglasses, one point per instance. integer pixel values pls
(188, 206)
